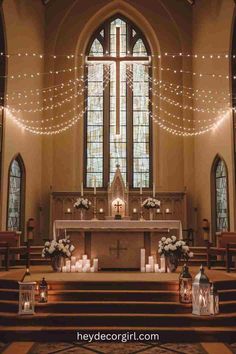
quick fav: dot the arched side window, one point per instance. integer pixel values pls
(16, 187)
(104, 148)
(220, 192)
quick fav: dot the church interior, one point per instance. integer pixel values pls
(117, 176)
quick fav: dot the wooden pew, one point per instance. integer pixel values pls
(224, 239)
(10, 245)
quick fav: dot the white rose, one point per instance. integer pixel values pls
(163, 239)
(47, 244)
(72, 248)
(160, 250)
(173, 238)
(166, 248)
(191, 254)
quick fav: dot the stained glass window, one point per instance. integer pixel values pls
(131, 148)
(15, 196)
(221, 185)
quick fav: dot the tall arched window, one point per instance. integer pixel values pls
(117, 121)
(16, 186)
(220, 193)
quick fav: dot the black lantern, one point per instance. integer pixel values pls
(43, 291)
(185, 286)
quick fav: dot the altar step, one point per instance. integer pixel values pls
(115, 307)
(94, 320)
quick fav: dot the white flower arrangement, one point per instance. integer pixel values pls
(62, 247)
(151, 203)
(172, 247)
(82, 203)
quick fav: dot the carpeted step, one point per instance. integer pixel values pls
(121, 320)
(113, 295)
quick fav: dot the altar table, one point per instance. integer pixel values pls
(117, 225)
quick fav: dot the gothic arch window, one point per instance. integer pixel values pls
(220, 193)
(131, 147)
(16, 187)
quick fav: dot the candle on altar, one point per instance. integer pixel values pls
(142, 256)
(84, 256)
(73, 260)
(135, 211)
(68, 266)
(163, 264)
(154, 189)
(100, 210)
(143, 269)
(95, 264)
(82, 189)
(167, 210)
(65, 232)
(151, 262)
(156, 268)
(94, 185)
(148, 268)
(68, 210)
(92, 269)
(63, 269)
(73, 269)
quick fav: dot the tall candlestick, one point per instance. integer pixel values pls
(94, 184)
(82, 190)
(154, 189)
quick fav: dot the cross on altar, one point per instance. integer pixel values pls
(118, 249)
(118, 206)
(117, 60)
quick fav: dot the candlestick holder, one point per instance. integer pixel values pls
(141, 209)
(95, 208)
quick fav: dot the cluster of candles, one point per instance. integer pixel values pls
(80, 265)
(151, 266)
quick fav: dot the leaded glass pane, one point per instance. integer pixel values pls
(137, 75)
(14, 197)
(95, 105)
(221, 197)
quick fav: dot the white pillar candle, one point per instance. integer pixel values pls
(151, 262)
(163, 264)
(92, 269)
(95, 264)
(142, 255)
(84, 256)
(82, 189)
(73, 268)
(68, 266)
(156, 268)
(154, 189)
(135, 211)
(143, 269)
(148, 268)
(26, 305)
(63, 269)
(73, 260)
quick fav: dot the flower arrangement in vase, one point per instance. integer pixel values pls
(151, 204)
(173, 250)
(57, 250)
(82, 204)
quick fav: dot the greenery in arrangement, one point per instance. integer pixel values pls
(171, 247)
(60, 248)
(82, 203)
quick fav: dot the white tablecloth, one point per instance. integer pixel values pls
(117, 225)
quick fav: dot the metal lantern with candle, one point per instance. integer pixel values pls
(214, 299)
(185, 286)
(201, 294)
(26, 298)
(43, 291)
